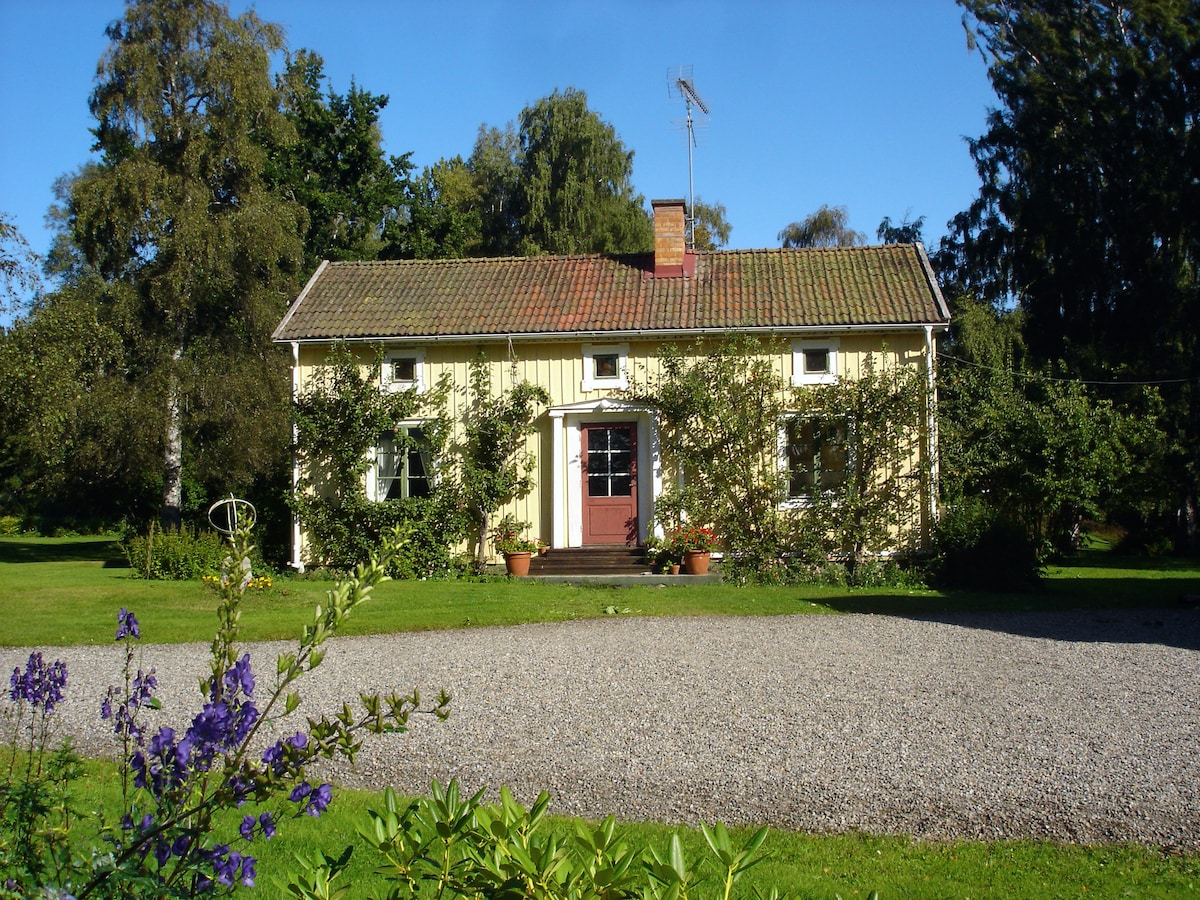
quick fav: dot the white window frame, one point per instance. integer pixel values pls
(418, 381)
(802, 500)
(618, 382)
(801, 377)
(376, 483)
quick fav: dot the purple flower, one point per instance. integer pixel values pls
(241, 788)
(219, 727)
(227, 864)
(315, 800)
(248, 872)
(144, 684)
(40, 684)
(273, 757)
(267, 823)
(246, 829)
(127, 625)
(224, 863)
(141, 695)
(318, 800)
(240, 676)
(161, 767)
(277, 756)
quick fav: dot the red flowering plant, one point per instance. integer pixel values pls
(694, 537)
(508, 537)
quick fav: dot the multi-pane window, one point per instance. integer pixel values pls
(609, 462)
(817, 455)
(403, 466)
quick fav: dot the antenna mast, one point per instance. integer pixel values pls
(679, 83)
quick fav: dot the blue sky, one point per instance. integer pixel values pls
(861, 103)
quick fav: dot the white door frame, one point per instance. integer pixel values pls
(566, 448)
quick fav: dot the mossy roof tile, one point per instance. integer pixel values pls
(764, 289)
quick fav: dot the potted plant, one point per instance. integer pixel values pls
(517, 550)
(694, 545)
(661, 555)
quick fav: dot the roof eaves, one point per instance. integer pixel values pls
(296, 303)
(615, 335)
(934, 287)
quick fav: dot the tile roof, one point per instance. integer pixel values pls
(733, 289)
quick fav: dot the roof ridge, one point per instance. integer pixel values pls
(476, 260)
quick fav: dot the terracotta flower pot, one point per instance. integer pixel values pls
(673, 569)
(517, 563)
(695, 562)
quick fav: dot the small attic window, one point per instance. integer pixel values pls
(605, 366)
(814, 362)
(404, 370)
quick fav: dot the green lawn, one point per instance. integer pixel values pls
(802, 865)
(67, 591)
(56, 591)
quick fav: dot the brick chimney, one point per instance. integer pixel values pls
(671, 257)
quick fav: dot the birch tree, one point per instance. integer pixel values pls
(199, 255)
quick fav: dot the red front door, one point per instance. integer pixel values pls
(610, 483)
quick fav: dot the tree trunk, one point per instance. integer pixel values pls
(1188, 521)
(481, 550)
(172, 506)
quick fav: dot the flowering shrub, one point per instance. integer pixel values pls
(507, 537)
(172, 835)
(693, 538)
(34, 809)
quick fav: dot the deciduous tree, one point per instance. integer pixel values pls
(198, 255)
(1088, 214)
(19, 278)
(829, 226)
(710, 228)
(575, 193)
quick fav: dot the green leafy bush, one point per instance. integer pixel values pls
(976, 548)
(446, 846)
(175, 555)
(346, 529)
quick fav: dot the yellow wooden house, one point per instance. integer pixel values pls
(579, 326)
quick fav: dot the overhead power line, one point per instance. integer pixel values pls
(1035, 377)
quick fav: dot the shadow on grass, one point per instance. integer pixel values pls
(1078, 609)
(101, 549)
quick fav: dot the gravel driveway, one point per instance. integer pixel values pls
(1072, 726)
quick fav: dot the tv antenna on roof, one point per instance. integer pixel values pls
(680, 84)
